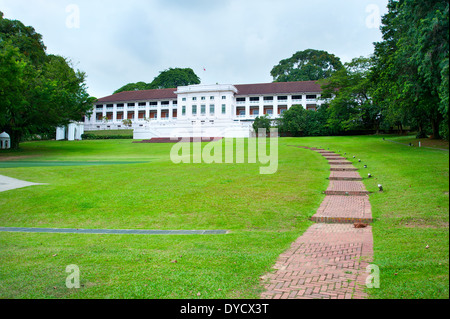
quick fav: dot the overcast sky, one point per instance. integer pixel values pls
(236, 41)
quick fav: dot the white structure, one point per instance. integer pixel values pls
(200, 110)
(5, 141)
(71, 132)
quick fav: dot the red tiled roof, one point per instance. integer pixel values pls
(143, 95)
(243, 89)
(279, 88)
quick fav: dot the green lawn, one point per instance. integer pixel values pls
(265, 214)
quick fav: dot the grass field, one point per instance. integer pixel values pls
(264, 213)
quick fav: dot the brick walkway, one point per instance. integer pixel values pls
(329, 260)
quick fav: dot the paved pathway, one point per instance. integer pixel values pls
(329, 260)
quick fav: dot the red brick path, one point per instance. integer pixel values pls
(329, 260)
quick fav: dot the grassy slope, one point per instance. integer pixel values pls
(263, 211)
(411, 213)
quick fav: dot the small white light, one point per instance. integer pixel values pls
(380, 187)
(369, 175)
(359, 160)
(365, 166)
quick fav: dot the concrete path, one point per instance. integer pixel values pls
(8, 183)
(329, 260)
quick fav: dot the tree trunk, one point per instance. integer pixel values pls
(15, 139)
(435, 128)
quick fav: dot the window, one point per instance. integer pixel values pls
(203, 109)
(254, 99)
(212, 109)
(194, 99)
(282, 98)
(183, 99)
(224, 108)
(99, 106)
(120, 105)
(296, 97)
(240, 99)
(224, 97)
(268, 98)
(203, 98)
(142, 104)
(109, 105)
(311, 97)
(183, 110)
(165, 103)
(130, 104)
(211, 98)
(153, 103)
(194, 109)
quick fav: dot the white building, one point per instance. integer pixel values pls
(5, 141)
(71, 132)
(200, 110)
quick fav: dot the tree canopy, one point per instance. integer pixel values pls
(37, 91)
(308, 65)
(411, 64)
(171, 78)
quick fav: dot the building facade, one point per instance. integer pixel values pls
(200, 110)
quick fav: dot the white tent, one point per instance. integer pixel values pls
(5, 141)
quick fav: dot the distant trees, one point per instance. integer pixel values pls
(171, 78)
(308, 65)
(37, 91)
(410, 72)
(300, 122)
(262, 122)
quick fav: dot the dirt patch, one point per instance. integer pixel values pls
(14, 158)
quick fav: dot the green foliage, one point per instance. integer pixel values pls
(411, 71)
(171, 78)
(90, 136)
(308, 65)
(37, 91)
(349, 93)
(262, 122)
(301, 122)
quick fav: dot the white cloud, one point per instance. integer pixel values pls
(237, 41)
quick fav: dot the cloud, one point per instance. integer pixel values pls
(237, 41)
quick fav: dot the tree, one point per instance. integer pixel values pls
(262, 122)
(308, 65)
(301, 122)
(171, 78)
(37, 91)
(411, 70)
(139, 86)
(349, 91)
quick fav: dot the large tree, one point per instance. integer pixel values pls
(171, 78)
(308, 65)
(348, 94)
(411, 70)
(37, 91)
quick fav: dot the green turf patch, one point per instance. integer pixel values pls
(265, 214)
(13, 164)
